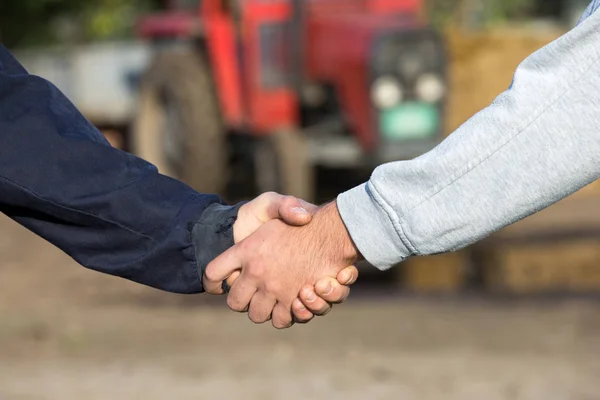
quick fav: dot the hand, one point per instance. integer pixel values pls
(268, 206)
(313, 301)
(277, 261)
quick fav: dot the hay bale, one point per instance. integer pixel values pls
(440, 273)
(556, 250)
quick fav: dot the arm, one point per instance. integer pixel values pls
(110, 211)
(536, 144)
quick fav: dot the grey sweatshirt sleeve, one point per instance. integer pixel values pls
(535, 144)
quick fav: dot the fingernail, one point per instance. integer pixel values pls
(298, 304)
(311, 297)
(349, 280)
(299, 210)
(329, 290)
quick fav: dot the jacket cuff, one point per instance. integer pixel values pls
(213, 233)
(371, 228)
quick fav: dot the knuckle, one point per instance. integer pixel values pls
(282, 323)
(273, 286)
(256, 270)
(210, 274)
(282, 316)
(289, 200)
(270, 196)
(234, 304)
(245, 247)
(257, 317)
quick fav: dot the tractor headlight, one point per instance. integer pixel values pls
(386, 92)
(430, 88)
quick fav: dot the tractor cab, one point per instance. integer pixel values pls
(334, 83)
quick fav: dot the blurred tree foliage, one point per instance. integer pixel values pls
(481, 13)
(40, 22)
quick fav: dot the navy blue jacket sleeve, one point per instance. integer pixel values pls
(109, 210)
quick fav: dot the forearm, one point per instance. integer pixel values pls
(110, 211)
(536, 144)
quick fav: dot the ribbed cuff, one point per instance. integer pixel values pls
(371, 228)
(213, 233)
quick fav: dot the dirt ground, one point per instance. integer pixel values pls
(68, 333)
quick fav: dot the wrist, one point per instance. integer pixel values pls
(212, 234)
(335, 236)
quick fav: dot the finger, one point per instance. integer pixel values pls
(219, 269)
(233, 277)
(282, 316)
(311, 208)
(331, 291)
(348, 275)
(241, 294)
(261, 307)
(267, 206)
(312, 302)
(226, 285)
(301, 314)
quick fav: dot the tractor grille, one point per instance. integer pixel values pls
(408, 90)
(408, 56)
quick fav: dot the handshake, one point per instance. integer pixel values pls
(291, 261)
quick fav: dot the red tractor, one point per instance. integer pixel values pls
(278, 87)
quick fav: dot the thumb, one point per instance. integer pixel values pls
(220, 269)
(269, 206)
(294, 211)
(273, 205)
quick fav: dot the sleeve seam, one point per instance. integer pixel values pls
(76, 210)
(390, 213)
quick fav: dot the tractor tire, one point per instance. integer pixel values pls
(282, 165)
(179, 127)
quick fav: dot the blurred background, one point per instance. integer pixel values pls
(304, 97)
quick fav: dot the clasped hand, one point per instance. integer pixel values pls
(291, 261)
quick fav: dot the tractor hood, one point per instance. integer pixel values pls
(347, 40)
(341, 50)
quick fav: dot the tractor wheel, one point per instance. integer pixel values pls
(179, 127)
(282, 165)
